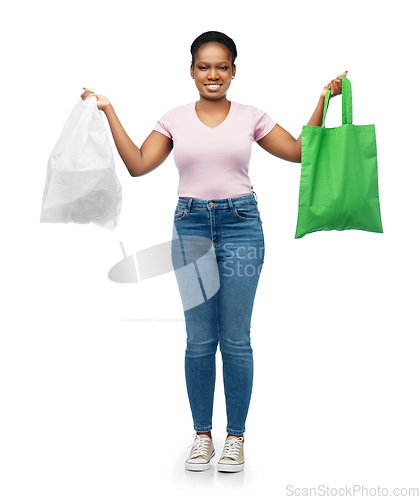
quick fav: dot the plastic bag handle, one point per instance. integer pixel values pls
(346, 102)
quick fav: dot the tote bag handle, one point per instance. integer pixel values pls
(346, 102)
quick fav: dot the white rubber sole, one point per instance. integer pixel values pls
(230, 467)
(198, 467)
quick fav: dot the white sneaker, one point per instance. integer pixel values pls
(232, 459)
(202, 451)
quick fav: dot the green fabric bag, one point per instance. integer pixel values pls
(339, 175)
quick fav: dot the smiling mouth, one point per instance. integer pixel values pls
(215, 85)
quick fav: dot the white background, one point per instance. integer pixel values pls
(93, 395)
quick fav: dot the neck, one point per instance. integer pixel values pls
(213, 106)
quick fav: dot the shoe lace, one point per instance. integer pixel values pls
(232, 448)
(199, 447)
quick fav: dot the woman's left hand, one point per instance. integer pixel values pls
(334, 85)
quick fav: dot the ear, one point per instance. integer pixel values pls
(192, 71)
(234, 70)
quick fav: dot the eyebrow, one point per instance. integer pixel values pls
(223, 62)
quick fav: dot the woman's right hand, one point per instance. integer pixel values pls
(101, 101)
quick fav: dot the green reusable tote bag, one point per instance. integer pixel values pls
(339, 175)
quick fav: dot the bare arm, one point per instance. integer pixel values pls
(139, 161)
(280, 143)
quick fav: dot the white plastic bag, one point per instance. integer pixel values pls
(81, 184)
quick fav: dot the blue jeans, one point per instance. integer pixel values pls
(218, 298)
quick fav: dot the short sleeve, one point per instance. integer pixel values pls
(164, 125)
(263, 124)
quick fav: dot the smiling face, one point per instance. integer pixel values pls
(212, 71)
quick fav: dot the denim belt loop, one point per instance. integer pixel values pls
(232, 208)
(255, 196)
(189, 205)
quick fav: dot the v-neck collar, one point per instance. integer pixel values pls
(220, 124)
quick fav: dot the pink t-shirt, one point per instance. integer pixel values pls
(213, 162)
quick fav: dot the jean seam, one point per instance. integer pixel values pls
(211, 225)
(185, 201)
(235, 433)
(220, 228)
(206, 429)
(217, 319)
(246, 219)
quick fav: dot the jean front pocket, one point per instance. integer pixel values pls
(247, 212)
(180, 212)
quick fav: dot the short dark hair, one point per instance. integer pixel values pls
(215, 37)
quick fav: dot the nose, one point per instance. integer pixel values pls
(213, 74)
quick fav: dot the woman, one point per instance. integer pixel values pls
(212, 141)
